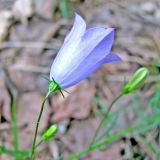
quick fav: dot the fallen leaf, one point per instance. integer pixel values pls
(79, 135)
(6, 20)
(23, 80)
(23, 9)
(4, 99)
(47, 8)
(77, 104)
(112, 153)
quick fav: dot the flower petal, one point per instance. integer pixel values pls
(78, 29)
(86, 69)
(94, 45)
(112, 57)
(69, 45)
(99, 52)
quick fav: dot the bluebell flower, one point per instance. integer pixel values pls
(82, 53)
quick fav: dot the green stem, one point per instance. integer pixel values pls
(37, 126)
(104, 118)
(15, 129)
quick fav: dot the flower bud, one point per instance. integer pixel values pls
(50, 133)
(136, 81)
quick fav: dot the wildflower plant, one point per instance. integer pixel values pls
(82, 53)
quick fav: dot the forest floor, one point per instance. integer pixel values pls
(30, 37)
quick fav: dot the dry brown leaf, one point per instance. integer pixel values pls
(110, 153)
(5, 23)
(4, 99)
(23, 9)
(79, 136)
(46, 8)
(23, 80)
(76, 105)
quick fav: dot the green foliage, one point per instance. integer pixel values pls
(65, 9)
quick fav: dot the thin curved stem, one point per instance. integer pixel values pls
(37, 126)
(104, 118)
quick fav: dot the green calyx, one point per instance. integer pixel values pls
(50, 133)
(136, 81)
(53, 86)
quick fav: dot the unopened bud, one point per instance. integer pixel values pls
(136, 81)
(50, 133)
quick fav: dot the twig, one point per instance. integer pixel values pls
(27, 44)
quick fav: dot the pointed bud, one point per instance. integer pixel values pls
(50, 133)
(136, 81)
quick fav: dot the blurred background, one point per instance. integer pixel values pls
(31, 33)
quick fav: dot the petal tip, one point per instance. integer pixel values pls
(114, 57)
(78, 18)
(112, 30)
